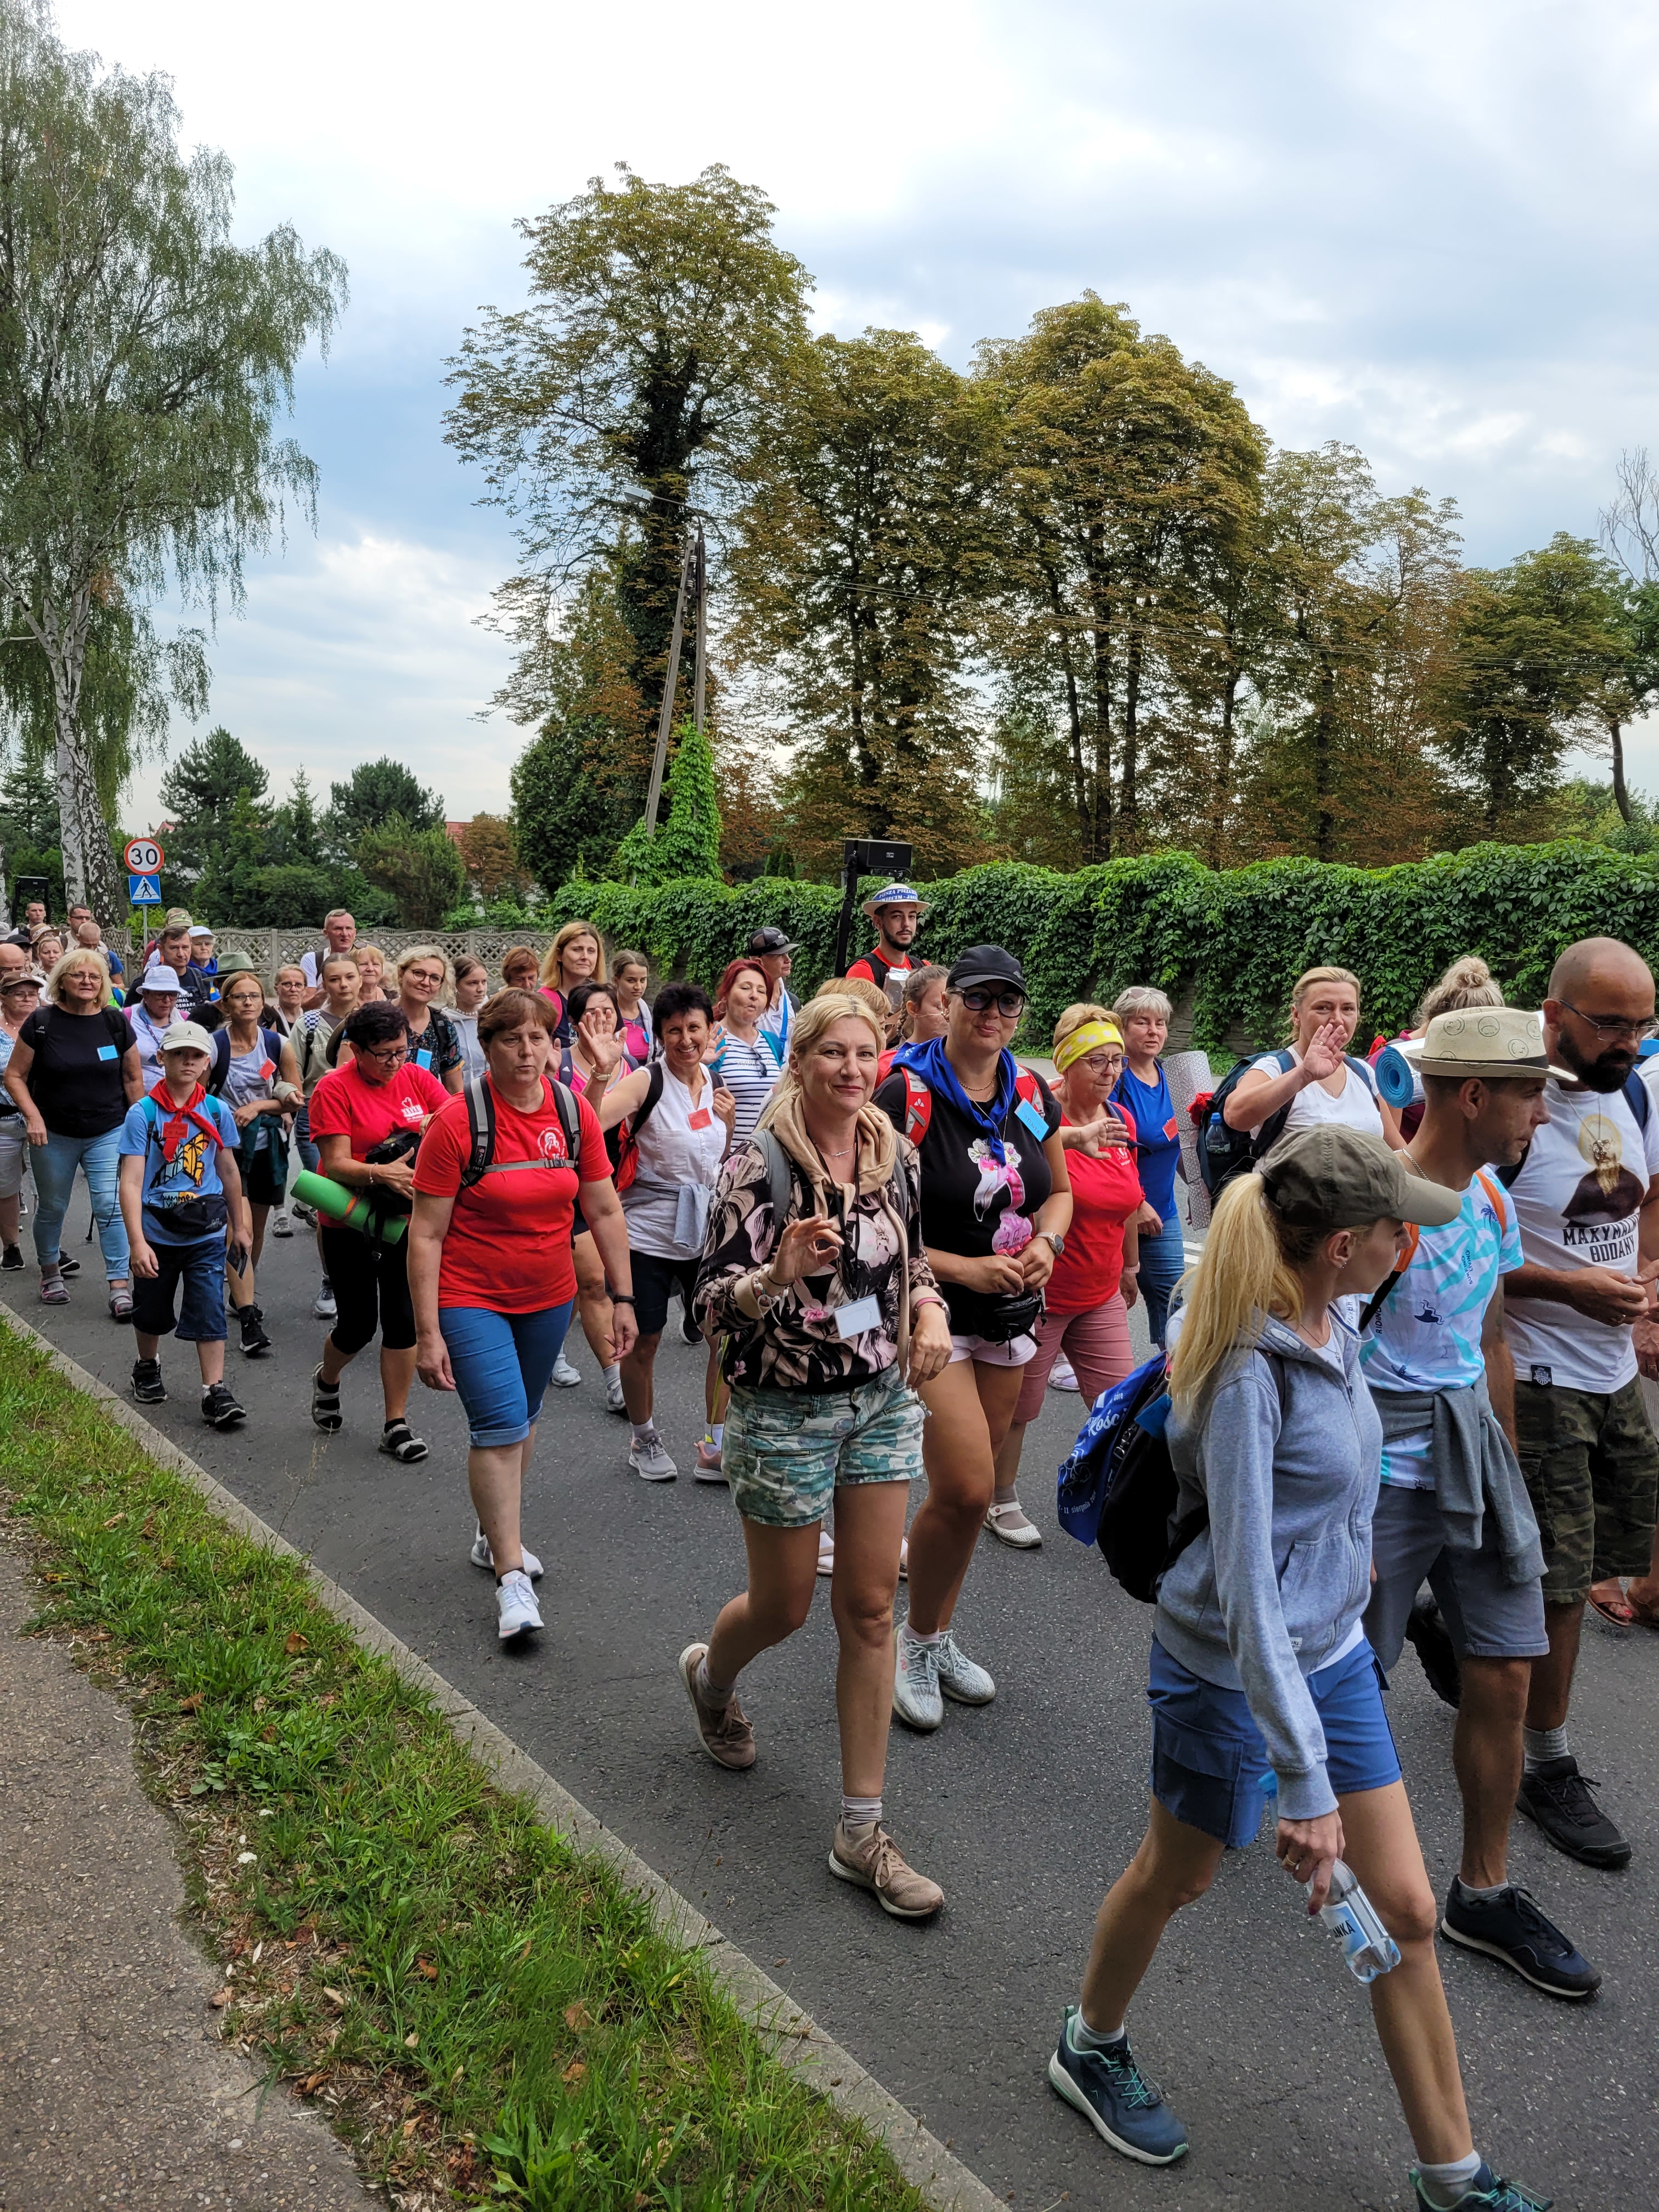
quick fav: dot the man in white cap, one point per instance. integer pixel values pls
(896, 912)
(1453, 1505)
(150, 1013)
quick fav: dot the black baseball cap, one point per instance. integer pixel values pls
(771, 939)
(987, 963)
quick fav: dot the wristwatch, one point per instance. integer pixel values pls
(1053, 1236)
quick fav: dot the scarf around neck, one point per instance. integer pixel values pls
(929, 1062)
(176, 1122)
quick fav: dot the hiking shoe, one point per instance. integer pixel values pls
(916, 1699)
(282, 1223)
(323, 1306)
(517, 1609)
(1116, 2099)
(707, 1466)
(147, 1388)
(481, 1556)
(326, 1403)
(304, 1214)
(1557, 1797)
(614, 1401)
(254, 1338)
(870, 1859)
(725, 1732)
(219, 1407)
(958, 1675)
(1487, 2192)
(564, 1374)
(1428, 1635)
(1511, 1928)
(1009, 1525)
(11, 1260)
(649, 1457)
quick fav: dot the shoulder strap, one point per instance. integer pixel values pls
(1380, 1298)
(779, 1184)
(215, 1082)
(917, 1107)
(570, 1122)
(1493, 1200)
(1026, 1087)
(1639, 1098)
(647, 1105)
(480, 1129)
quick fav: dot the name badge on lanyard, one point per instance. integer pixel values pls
(855, 1319)
(1033, 1120)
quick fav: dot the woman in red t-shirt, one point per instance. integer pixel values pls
(491, 1273)
(353, 1109)
(1088, 1296)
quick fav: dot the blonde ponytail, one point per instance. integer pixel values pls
(1245, 1275)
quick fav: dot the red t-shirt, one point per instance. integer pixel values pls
(1105, 1192)
(344, 1105)
(508, 1246)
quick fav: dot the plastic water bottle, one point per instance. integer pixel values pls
(1367, 1950)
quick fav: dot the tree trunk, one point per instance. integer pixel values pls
(1221, 787)
(1128, 797)
(1324, 766)
(1620, 795)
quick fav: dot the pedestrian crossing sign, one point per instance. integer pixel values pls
(143, 890)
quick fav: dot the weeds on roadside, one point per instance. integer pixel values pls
(486, 2012)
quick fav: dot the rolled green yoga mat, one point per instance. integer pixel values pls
(350, 1208)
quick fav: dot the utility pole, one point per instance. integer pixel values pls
(699, 694)
(665, 720)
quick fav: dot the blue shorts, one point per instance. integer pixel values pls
(1208, 1756)
(200, 1268)
(502, 1364)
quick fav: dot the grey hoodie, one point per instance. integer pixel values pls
(1288, 1454)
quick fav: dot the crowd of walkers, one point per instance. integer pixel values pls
(1407, 1382)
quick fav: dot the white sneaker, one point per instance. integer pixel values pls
(564, 1374)
(649, 1460)
(481, 1556)
(516, 1603)
(1062, 1376)
(960, 1677)
(614, 1401)
(826, 1552)
(324, 1308)
(1009, 1525)
(916, 1699)
(282, 1223)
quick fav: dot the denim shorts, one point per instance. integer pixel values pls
(786, 1452)
(501, 1363)
(1208, 1756)
(200, 1267)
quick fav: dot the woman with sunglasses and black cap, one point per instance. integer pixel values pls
(996, 1202)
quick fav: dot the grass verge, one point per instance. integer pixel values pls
(486, 2012)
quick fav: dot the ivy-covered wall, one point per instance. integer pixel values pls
(1235, 942)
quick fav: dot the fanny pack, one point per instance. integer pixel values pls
(190, 1218)
(1003, 1319)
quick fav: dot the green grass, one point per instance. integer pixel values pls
(486, 2012)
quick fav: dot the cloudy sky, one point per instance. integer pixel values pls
(1425, 227)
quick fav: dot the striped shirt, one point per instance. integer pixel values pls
(749, 1072)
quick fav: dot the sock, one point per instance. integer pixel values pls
(859, 1811)
(642, 1430)
(1543, 1744)
(613, 1371)
(915, 1636)
(712, 1693)
(1085, 2038)
(1004, 1495)
(716, 1431)
(1471, 1896)
(1446, 2185)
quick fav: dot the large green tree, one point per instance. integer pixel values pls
(373, 792)
(144, 357)
(200, 791)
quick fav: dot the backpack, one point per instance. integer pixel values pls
(1224, 1152)
(779, 1184)
(1635, 1094)
(627, 1158)
(219, 1074)
(481, 1132)
(1119, 1489)
(919, 1100)
(1380, 1298)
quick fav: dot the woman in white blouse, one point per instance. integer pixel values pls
(1315, 1079)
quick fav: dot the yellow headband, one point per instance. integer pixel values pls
(1090, 1037)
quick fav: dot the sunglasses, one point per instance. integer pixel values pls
(1006, 1002)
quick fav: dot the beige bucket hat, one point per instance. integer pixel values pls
(1484, 1042)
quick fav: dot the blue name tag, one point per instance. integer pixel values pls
(1032, 1118)
(108, 1052)
(423, 1060)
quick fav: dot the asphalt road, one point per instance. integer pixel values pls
(1024, 1811)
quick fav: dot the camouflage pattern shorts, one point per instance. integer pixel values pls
(785, 1452)
(1592, 1471)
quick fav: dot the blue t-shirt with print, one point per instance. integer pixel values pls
(1427, 1337)
(1157, 1145)
(193, 1172)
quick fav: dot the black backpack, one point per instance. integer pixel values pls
(1224, 1152)
(481, 1132)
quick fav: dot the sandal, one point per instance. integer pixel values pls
(326, 1403)
(1624, 1612)
(52, 1292)
(399, 1442)
(120, 1303)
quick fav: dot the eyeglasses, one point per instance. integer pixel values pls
(1635, 1031)
(1006, 1002)
(1104, 1063)
(395, 1058)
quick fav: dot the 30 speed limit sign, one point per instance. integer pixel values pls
(143, 856)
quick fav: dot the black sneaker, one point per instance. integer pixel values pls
(219, 1408)
(1510, 1927)
(690, 1333)
(254, 1340)
(1487, 2192)
(1558, 1797)
(1428, 1635)
(11, 1259)
(147, 1386)
(68, 1268)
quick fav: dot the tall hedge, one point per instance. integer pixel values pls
(1234, 942)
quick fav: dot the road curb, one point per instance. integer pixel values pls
(794, 2039)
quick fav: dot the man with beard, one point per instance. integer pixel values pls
(898, 914)
(1579, 1318)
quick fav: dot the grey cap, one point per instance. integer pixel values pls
(186, 1037)
(1333, 1177)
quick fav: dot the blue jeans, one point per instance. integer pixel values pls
(54, 1163)
(1162, 1259)
(502, 1364)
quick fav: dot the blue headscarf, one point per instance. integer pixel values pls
(929, 1062)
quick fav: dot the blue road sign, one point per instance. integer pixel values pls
(143, 890)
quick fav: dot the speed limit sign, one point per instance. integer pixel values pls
(143, 856)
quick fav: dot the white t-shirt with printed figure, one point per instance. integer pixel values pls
(1578, 1196)
(1427, 1336)
(1353, 1107)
